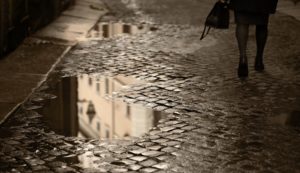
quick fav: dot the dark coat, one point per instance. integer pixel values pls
(254, 6)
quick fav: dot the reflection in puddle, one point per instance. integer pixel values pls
(85, 107)
(85, 160)
(111, 29)
(287, 119)
(88, 160)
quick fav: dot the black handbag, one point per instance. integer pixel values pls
(217, 18)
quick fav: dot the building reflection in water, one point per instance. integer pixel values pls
(85, 108)
(111, 29)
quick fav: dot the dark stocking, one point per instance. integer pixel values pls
(261, 39)
(242, 32)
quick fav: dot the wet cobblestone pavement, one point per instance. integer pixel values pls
(215, 122)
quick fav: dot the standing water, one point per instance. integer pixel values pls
(86, 107)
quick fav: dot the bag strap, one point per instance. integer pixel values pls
(205, 33)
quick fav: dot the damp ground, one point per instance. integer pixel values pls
(214, 122)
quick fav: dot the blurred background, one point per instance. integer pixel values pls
(18, 18)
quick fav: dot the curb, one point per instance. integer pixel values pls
(38, 85)
(69, 47)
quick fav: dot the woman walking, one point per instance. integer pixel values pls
(252, 12)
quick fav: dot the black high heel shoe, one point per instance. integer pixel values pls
(243, 70)
(259, 66)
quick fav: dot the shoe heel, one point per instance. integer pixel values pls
(243, 71)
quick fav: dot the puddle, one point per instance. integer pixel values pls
(85, 107)
(286, 119)
(112, 29)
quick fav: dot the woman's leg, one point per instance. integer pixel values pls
(242, 32)
(261, 39)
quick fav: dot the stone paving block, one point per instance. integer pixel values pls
(166, 129)
(148, 170)
(119, 170)
(161, 140)
(155, 147)
(168, 149)
(135, 167)
(152, 153)
(128, 162)
(138, 158)
(172, 143)
(161, 166)
(138, 151)
(148, 163)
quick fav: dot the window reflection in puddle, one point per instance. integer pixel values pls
(111, 29)
(85, 107)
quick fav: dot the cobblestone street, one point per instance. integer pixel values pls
(214, 121)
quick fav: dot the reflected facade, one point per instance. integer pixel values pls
(112, 29)
(85, 107)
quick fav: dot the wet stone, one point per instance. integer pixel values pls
(101, 170)
(174, 137)
(148, 163)
(172, 143)
(135, 167)
(172, 122)
(188, 128)
(40, 168)
(166, 129)
(28, 108)
(168, 149)
(57, 152)
(179, 125)
(7, 149)
(178, 131)
(161, 141)
(154, 132)
(138, 158)
(118, 151)
(148, 170)
(119, 170)
(128, 161)
(146, 144)
(34, 162)
(65, 169)
(48, 159)
(152, 100)
(177, 154)
(119, 163)
(12, 142)
(163, 157)
(151, 105)
(162, 102)
(139, 151)
(17, 154)
(156, 147)
(152, 153)
(160, 108)
(170, 111)
(161, 166)
(124, 155)
(152, 137)
(57, 164)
